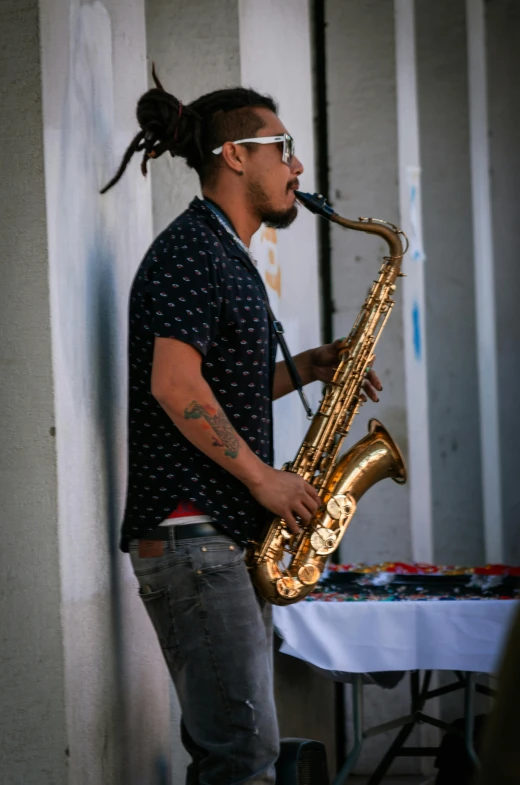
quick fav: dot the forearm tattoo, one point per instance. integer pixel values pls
(223, 433)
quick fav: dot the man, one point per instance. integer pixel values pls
(202, 378)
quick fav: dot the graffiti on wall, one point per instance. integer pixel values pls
(266, 252)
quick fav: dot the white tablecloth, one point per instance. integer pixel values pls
(361, 637)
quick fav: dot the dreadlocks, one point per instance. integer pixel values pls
(192, 131)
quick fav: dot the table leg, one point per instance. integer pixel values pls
(417, 699)
(358, 722)
(469, 716)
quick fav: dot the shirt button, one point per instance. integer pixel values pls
(204, 549)
(231, 547)
(199, 572)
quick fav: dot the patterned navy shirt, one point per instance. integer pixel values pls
(197, 285)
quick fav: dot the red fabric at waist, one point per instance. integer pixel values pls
(185, 508)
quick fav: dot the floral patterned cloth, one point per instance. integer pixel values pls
(399, 581)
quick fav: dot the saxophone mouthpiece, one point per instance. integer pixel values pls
(316, 203)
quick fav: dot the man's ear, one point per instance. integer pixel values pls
(233, 156)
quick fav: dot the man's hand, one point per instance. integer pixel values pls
(287, 495)
(324, 361)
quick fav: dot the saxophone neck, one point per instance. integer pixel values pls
(392, 235)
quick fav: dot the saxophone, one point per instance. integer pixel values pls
(286, 567)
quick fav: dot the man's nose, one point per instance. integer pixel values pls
(296, 166)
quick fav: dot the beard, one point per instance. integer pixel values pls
(280, 219)
(275, 219)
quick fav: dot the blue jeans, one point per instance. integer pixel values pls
(212, 631)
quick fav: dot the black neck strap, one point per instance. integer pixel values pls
(291, 366)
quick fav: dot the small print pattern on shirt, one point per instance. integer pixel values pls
(196, 285)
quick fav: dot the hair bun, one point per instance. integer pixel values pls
(192, 131)
(167, 125)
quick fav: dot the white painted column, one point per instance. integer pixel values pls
(93, 63)
(413, 284)
(484, 282)
(275, 58)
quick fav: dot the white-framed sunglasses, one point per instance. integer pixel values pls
(288, 151)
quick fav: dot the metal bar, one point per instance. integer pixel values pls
(444, 690)
(340, 724)
(484, 690)
(419, 696)
(358, 720)
(420, 717)
(390, 725)
(322, 163)
(415, 690)
(469, 717)
(390, 754)
(397, 745)
(423, 697)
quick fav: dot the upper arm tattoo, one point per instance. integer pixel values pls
(225, 435)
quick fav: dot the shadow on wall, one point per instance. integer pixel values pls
(104, 346)
(91, 241)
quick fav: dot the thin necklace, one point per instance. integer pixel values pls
(224, 221)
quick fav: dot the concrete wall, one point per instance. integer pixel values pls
(116, 687)
(32, 721)
(362, 141)
(364, 181)
(195, 48)
(503, 42)
(442, 88)
(288, 259)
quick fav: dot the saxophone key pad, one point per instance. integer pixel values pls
(323, 540)
(338, 506)
(308, 574)
(287, 587)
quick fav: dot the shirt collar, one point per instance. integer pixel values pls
(235, 247)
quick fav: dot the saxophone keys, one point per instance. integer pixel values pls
(287, 587)
(309, 574)
(323, 540)
(338, 506)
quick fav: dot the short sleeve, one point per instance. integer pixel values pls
(182, 288)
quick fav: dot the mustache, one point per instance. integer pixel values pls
(293, 185)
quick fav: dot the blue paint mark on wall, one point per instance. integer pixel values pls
(416, 330)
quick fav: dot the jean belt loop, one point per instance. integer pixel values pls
(171, 539)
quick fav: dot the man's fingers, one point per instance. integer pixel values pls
(374, 380)
(290, 520)
(314, 499)
(370, 391)
(311, 505)
(302, 512)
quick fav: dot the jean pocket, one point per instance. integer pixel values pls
(219, 555)
(149, 565)
(158, 605)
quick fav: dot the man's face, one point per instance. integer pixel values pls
(270, 182)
